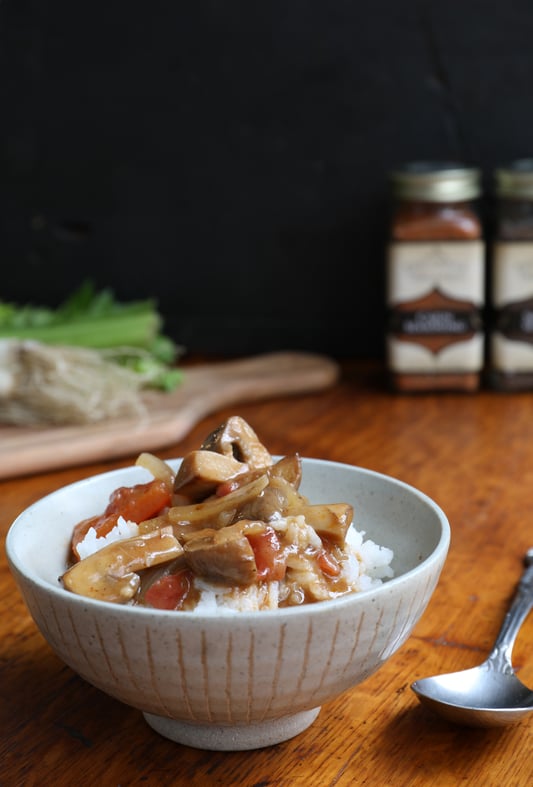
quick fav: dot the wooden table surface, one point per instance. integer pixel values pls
(473, 454)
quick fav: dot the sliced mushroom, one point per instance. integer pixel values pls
(217, 511)
(279, 496)
(202, 471)
(110, 574)
(236, 438)
(279, 499)
(289, 468)
(330, 521)
(223, 555)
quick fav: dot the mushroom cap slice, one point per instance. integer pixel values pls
(329, 520)
(236, 438)
(289, 468)
(110, 573)
(202, 471)
(223, 555)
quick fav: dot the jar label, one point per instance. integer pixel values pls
(455, 268)
(424, 322)
(512, 272)
(407, 357)
(435, 294)
(510, 355)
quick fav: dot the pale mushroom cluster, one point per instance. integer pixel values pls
(233, 532)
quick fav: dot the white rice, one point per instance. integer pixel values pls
(91, 543)
(228, 601)
(368, 564)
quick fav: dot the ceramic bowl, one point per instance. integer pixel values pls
(251, 679)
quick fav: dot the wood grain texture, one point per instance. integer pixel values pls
(474, 455)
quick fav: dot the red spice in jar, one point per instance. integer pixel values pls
(435, 221)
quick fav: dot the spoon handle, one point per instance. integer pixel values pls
(500, 656)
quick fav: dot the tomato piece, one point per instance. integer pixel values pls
(269, 557)
(139, 502)
(328, 564)
(134, 503)
(170, 591)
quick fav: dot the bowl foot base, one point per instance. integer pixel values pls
(237, 737)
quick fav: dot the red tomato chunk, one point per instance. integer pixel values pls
(269, 558)
(134, 503)
(170, 591)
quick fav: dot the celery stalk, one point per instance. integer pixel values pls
(135, 330)
(130, 331)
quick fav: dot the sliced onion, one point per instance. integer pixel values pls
(157, 467)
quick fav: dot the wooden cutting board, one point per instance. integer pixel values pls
(169, 417)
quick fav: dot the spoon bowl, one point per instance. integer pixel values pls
(480, 697)
(488, 695)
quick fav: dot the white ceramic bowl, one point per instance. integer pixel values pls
(250, 679)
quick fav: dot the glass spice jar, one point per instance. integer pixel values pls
(435, 279)
(511, 274)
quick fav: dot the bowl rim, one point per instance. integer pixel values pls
(437, 555)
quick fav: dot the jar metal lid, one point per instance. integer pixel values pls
(439, 181)
(515, 180)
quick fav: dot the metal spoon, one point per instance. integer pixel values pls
(490, 694)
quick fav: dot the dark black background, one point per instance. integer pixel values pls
(230, 157)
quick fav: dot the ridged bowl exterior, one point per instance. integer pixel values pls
(247, 667)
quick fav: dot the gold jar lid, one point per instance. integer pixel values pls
(515, 181)
(430, 181)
